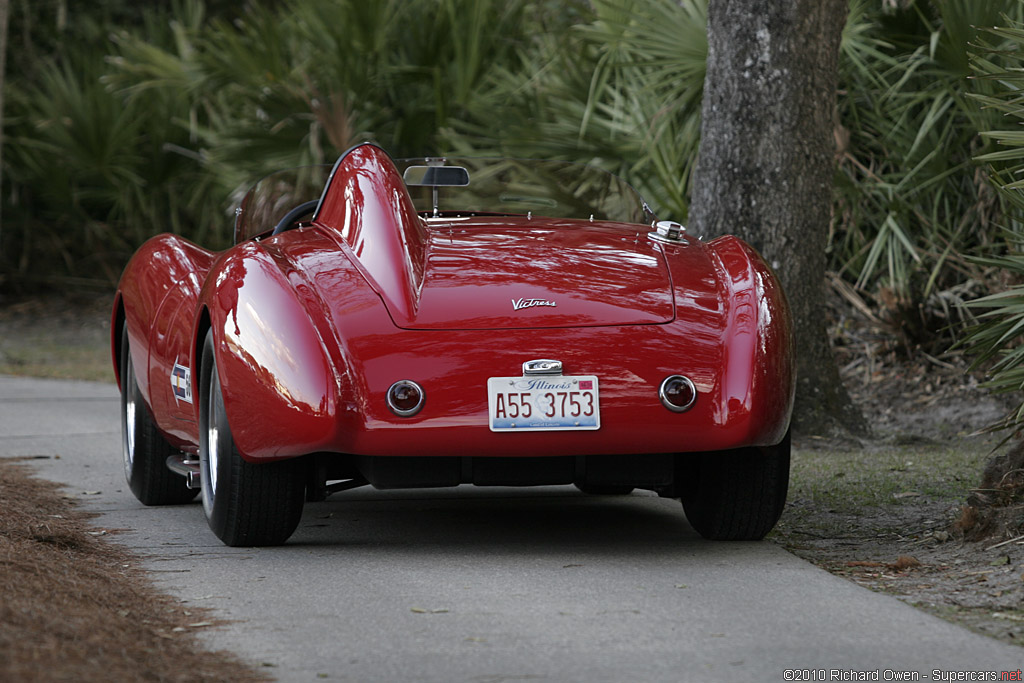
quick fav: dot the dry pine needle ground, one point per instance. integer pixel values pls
(73, 607)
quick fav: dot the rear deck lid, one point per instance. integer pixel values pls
(500, 273)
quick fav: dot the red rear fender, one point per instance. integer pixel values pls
(278, 386)
(160, 268)
(757, 383)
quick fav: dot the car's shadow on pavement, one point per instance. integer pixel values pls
(536, 521)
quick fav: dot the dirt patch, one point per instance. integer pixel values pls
(76, 608)
(910, 553)
(889, 513)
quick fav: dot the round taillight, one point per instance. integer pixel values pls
(405, 398)
(677, 393)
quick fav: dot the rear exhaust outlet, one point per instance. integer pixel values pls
(187, 466)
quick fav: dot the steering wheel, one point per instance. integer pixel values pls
(300, 211)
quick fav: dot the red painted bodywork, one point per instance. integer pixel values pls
(313, 325)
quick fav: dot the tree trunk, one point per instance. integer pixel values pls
(765, 167)
(5, 7)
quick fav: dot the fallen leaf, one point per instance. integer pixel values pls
(904, 562)
(906, 494)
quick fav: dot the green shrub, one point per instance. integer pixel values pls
(163, 127)
(996, 339)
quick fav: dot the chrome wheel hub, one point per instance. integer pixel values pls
(212, 434)
(129, 418)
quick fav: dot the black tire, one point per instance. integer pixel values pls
(246, 504)
(735, 495)
(605, 489)
(143, 447)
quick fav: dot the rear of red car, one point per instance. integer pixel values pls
(397, 341)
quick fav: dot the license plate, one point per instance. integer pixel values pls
(548, 403)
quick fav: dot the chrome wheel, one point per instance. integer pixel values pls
(144, 449)
(213, 435)
(211, 416)
(129, 420)
(246, 504)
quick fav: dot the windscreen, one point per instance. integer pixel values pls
(275, 195)
(556, 189)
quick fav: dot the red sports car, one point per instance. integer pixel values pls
(441, 321)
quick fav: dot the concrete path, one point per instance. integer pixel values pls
(490, 585)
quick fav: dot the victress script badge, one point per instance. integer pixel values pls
(519, 304)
